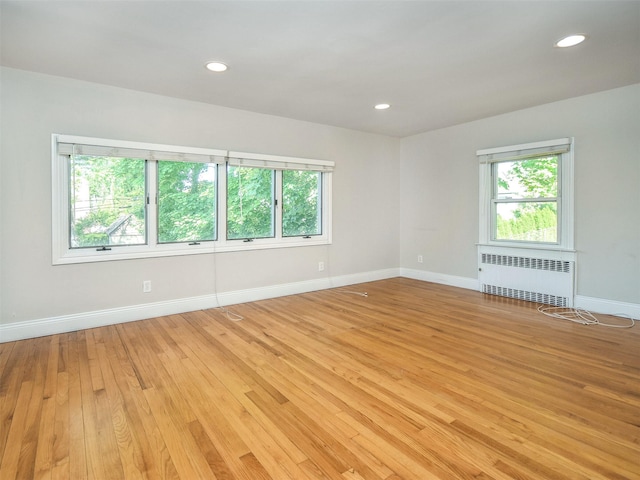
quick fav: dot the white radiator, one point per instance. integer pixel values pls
(539, 280)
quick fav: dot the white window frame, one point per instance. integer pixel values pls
(63, 254)
(562, 147)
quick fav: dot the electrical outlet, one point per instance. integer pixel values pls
(146, 286)
(420, 259)
(320, 266)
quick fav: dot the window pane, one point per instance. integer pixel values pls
(250, 206)
(186, 201)
(107, 201)
(527, 222)
(529, 178)
(301, 205)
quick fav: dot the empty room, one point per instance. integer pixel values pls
(304, 240)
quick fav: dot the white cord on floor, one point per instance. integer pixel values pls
(328, 275)
(579, 315)
(362, 294)
(234, 317)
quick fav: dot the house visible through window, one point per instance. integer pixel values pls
(118, 200)
(107, 201)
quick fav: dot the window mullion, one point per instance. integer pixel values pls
(526, 200)
(61, 204)
(140, 188)
(278, 205)
(221, 220)
(152, 202)
(561, 205)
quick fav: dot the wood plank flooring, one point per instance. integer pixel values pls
(415, 381)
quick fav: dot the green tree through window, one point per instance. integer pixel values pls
(120, 200)
(526, 200)
(107, 201)
(186, 201)
(301, 205)
(250, 202)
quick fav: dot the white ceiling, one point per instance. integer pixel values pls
(439, 63)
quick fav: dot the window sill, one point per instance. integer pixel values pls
(554, 252)
(171, 250)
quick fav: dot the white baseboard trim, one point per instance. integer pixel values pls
(68, 323)
(592, 304)
(608, 307)
(452, 280)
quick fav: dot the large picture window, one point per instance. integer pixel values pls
(527, 195)
(116, 200)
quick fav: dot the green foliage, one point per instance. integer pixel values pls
(110, 192)
(106, 190)
(250, 195)
(301, 205)
(538, 176)
(528, 221)
(90, 230)
(186, 202)
(536, 224)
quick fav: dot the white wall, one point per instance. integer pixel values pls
(383, 216)
(439, 189)
(365, 193)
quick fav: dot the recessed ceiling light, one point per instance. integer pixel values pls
(382, 106)
(571, 40)
(216, 66)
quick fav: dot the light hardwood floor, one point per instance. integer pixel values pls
(416, 381)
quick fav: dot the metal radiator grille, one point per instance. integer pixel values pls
(527, 262)
(536, 297)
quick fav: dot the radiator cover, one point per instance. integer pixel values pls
(534, 279)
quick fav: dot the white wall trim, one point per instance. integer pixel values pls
(452, 280)
(79, 321)
(608, 307)
(99, 318)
